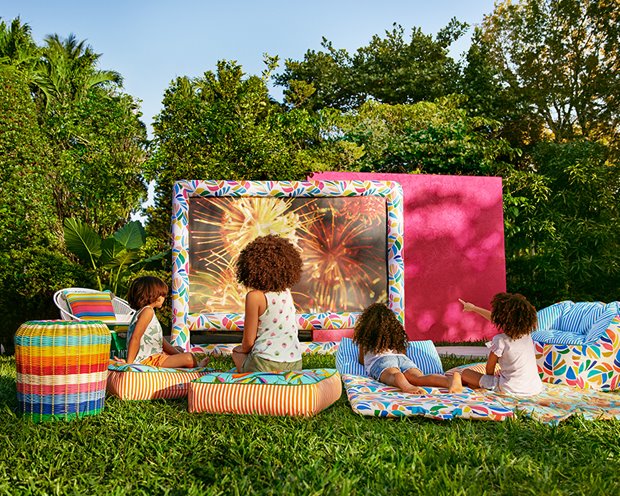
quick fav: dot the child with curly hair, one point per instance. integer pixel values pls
(269, 266)
(382, 345)
(513, 348)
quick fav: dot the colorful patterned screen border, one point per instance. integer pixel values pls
(184, 320)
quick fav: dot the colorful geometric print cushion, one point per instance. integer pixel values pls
(372, 398)
(375, 399)
(143, 382)
(422, 353)
(139, 367)
(91, 306)
(298, 393)
(556, 402)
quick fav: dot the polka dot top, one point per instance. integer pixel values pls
(277, 338)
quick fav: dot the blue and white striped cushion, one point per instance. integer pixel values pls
(549, 317)
(580, 317)
(574, 323)
(423, 353)
(556, 336)
(614, 306)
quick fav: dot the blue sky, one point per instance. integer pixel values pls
(152, 42)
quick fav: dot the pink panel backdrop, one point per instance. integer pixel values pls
(454, 248)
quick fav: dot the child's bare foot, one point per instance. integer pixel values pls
(456, 384)
(414, 390)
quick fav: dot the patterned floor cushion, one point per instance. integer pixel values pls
(557, 402)
(143, 382)
(372, 398)
(297, 393)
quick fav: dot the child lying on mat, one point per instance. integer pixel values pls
(513, 349)
(382, 345)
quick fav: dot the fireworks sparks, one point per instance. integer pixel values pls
(342, 242)
(227, 225)
(344, 260)
(215, 289)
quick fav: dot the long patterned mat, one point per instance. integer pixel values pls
(556, 403)
(372, 398)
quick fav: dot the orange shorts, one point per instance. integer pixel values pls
(155, 360)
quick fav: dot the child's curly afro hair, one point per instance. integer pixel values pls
(269, 263)
(378, 330)
(512, 314)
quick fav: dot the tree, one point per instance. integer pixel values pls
(96, 144)
(76, 149)
(98, 151)
(25, 202)
(389, 70)
(224, 125)
(568, 247)
(68, 70)
(32, 265)
(560, 60)
(488, 95)
(17, 47)
(428, 138)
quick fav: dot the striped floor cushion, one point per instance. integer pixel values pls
(299, 393)
(143, 382)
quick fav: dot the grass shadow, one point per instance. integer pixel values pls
(8, 392)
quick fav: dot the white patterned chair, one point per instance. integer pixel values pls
(578, 344)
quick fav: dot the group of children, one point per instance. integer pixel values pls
(270, 265)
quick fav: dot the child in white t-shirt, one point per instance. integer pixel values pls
(513, 349)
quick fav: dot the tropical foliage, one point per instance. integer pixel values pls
(389, 70)
(72, 145)
(112, 260)
(534, 100)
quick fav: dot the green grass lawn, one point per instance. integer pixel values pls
(158, 447)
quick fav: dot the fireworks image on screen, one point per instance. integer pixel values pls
(342, 242)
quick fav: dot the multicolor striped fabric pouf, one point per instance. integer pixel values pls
(61, 368)
(298, 393)
(134, 381)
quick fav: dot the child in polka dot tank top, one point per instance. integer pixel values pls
(269, 266)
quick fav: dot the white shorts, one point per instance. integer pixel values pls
(489, 382)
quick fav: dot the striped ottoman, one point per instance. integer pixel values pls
(61, 368)
(142, 382)
(298, 393)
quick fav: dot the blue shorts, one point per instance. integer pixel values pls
(400, 362)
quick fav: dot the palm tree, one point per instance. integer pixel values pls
(17, 47)
(67, 71)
